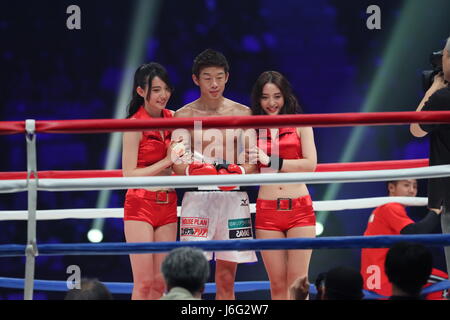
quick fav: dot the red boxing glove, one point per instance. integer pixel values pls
(199, 168)
(229, 169)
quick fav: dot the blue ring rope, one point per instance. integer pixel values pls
(126, 288)
(243, 286)
(115, 248)
(223, 245)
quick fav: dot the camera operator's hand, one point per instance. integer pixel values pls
(438, 83)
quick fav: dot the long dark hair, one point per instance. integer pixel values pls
(291, 105)
(143, 77)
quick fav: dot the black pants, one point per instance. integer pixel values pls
(445, 225)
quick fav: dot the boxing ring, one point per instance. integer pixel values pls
(33, 181)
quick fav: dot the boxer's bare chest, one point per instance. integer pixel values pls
(215, 143)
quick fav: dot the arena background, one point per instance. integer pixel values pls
(334, 62)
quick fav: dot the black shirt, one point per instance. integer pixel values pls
(405, 298)
(438, 188)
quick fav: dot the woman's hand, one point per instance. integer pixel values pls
(256, 154)
(299, 290)
(438, 82)
(176, 150)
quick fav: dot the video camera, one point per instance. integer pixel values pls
(428, 75)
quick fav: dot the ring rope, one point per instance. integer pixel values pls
(126, 288)
(252, 122)
(321, 167)
(329, 205)
(8, 186)
(346, 242)
(239, 286)
(279, 121)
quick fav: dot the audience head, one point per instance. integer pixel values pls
(342, 283)
(402, 188)
(186, 267)
(90, 289)
(408, 266)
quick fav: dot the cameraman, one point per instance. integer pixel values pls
(437, 98)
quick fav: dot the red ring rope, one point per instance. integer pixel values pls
(324, 167)
(315, 120)
(12, 127)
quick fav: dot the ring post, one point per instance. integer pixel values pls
(31, 248)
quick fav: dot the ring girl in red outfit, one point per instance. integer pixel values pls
(283, 210)
(149, 214)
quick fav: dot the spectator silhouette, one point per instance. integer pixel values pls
(90, 289)
(392, 219)
(185, 271)
(408, 266)
(340, 283)
(343, 283)
(320, 285)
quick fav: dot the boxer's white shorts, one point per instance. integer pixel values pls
(217, 215)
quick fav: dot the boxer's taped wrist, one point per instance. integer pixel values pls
(242, 169)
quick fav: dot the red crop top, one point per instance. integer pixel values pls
(152, 147)
(290, 146)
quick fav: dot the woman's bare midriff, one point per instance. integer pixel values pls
(275, 191)
(166, 172)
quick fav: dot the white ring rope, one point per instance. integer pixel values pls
(13, 186)
(331, 205)
(84, 184)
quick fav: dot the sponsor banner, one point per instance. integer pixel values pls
(239, 223)
(244, 202)
(194, 221)
(194, 227)
(241, 233)
(194, 232)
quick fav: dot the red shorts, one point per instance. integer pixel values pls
(157, 208)
(284, 213)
